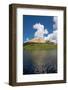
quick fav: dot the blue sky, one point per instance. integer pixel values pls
(29, 21)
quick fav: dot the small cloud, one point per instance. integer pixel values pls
(53, 35)
(40, 30)
(55, 23)
(55, 19)
(46, 31)
(27, 39)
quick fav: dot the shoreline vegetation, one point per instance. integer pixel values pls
(39, 46)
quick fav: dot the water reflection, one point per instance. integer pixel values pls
(38, 62)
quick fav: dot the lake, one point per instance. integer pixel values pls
(39, 62)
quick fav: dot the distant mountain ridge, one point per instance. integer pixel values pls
(39, 44)
(37, 41)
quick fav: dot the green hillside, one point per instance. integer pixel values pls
(39, 46)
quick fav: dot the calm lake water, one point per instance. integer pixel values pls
(38, 62)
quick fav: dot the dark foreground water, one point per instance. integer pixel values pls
(38, 62)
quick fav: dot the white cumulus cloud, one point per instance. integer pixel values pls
(52, 37)
(55, 22)
(40, 30)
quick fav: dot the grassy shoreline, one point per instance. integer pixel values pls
(38, 46)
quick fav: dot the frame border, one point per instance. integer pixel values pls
(12, 44)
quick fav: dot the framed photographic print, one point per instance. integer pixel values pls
(37, 44)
